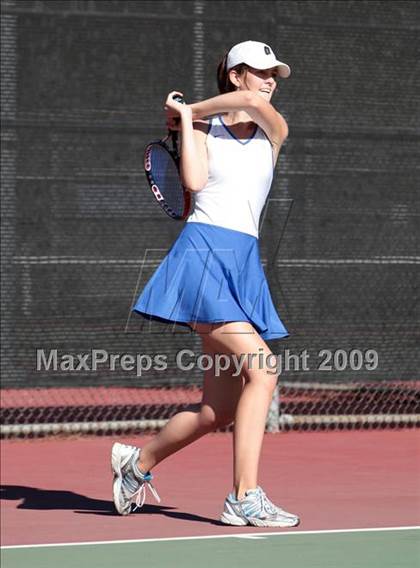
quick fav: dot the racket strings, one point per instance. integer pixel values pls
(165, 174)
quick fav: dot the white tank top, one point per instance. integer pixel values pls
(240, 173)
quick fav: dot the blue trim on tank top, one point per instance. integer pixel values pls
(233, 136)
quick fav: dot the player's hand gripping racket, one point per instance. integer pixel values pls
(161, 165)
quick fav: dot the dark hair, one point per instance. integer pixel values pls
(224, 84)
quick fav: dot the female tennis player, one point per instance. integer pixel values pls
(212, 280)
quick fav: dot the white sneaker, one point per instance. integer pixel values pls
(256, 509)
(129, 483)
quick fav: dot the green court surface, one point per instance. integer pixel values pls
(370, 548)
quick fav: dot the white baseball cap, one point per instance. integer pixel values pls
(257, 55)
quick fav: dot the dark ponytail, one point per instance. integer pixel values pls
(224, 84)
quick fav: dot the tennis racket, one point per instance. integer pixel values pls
(161, 166)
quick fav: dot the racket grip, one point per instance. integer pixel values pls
(179, 99)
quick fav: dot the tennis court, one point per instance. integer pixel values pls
(357, 493)
(374, 548)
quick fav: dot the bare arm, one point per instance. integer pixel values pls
(193, 164)
(193, 154)
(261, 111)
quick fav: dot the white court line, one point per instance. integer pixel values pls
(252, 536)
(294, 533)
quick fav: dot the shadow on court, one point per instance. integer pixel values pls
(49, 499)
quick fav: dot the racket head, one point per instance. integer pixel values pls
(161, 166)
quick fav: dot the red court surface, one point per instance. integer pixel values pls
(57, 491)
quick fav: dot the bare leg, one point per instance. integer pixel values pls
(220, 398)
(241, 338)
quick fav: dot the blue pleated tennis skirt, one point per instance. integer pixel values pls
(211, 274)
